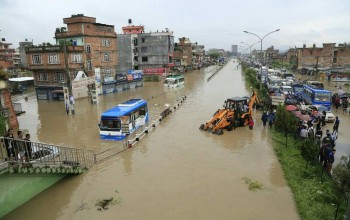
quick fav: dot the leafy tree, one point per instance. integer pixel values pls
(285, 122)
(341, 176)
(309, 150)
(2, 126)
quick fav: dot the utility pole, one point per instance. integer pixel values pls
(69, 101)
(316, 68)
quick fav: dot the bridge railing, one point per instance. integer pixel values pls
(16, 151)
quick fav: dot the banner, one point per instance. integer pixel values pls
(157, 71)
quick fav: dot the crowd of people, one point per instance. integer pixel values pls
(312, 129)
(17, 148)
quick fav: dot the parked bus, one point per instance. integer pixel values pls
(123, 119)
(314, 96)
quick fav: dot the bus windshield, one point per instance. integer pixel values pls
(110, 124)
(169, 81)
(322, 96)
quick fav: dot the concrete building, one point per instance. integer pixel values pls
(234, 50)
(329, 58)
(49, 64)
(83, 45)
(22, 52)
(198, 54)
(183, 55)
(151, 52)
(6, 55)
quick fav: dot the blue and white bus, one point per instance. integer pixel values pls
(123, 119)
(313, 96)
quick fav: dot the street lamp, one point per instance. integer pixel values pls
(261, 42)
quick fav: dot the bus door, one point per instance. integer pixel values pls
(125, 124)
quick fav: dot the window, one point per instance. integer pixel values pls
(143, 40)
(59, 77)
(36, 59)
(77, 58)
(89, 65)
(110, 125)
(106, 57)
(106, 43)
(143, 49)
(88, 49)
(144, 59)
(42, 77)
(54, 59)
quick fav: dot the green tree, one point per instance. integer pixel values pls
(341, 176)
(309, 150)
(285, 122)
(2, 126)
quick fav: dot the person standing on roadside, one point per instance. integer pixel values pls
(336, 124)
(20, 145)
(8, 141)
(28, 147)
(264, 118)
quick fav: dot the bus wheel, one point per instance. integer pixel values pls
(220, 132)
(209, 129)
(201, 127)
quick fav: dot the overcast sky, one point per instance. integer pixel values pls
(215, 24)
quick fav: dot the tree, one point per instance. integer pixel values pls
(285, 122)
(341, 176)
(309, 150)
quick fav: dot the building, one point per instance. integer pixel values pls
(6, 55)
(99, 42)
(234, 50)
(49, 64)
(22, 52)
(183, 55)
(198, 54)
(329, 58)
(83, 45)
(151, 52)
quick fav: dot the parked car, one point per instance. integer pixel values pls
(286, 90)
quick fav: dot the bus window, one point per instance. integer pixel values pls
(110, 124)
(142, 111)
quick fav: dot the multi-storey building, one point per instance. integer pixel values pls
(329, 58)
(51, 66)
(6, 54)
(151, 52)
(198, 54)
(183, 54)
(22, 51)
(83, 45)
(234, 50)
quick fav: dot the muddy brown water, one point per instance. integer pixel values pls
(176, 172)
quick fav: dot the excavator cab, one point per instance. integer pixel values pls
(236, 113)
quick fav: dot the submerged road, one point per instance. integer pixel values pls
(177, 172)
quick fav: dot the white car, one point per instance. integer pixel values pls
(286, 90)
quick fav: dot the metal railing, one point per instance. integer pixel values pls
(21, 152)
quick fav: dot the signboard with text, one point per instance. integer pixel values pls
(157, 71)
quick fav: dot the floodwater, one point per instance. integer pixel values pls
(176, 172)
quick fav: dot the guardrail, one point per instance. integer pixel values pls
(216, 70)
(21, 153)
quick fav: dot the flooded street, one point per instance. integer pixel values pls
(176, 172)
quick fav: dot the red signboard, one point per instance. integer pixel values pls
(158, 71)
